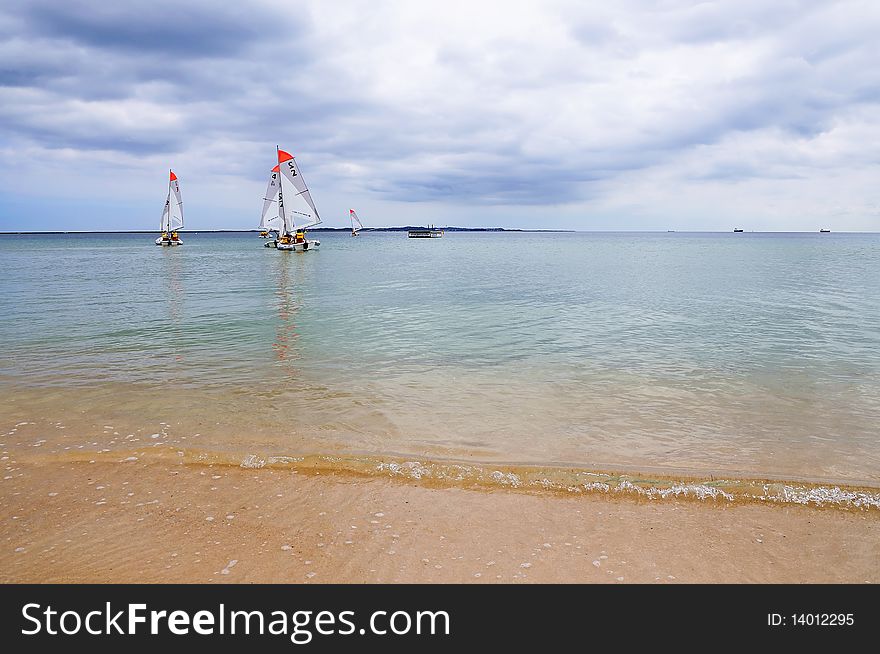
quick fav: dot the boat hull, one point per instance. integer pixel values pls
(299, 247)
(168, 241)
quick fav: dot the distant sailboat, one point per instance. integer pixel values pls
(172, 215)
(737, 230)
(824, 231)
(268, 222)
(292, 236)
(355, 222)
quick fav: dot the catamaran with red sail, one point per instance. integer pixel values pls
(356, 224)
(172, 214)
(292, 223)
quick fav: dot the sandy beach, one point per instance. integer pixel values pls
(641, 345)
(163, 522)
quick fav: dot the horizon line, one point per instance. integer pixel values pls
(448, 227)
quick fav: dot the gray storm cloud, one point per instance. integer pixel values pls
(584, 106)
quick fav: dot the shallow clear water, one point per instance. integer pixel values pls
(748, 354)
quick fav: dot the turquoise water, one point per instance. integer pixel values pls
(749, 354)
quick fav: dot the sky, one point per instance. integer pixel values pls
(547, 114)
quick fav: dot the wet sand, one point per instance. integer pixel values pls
(136, 521)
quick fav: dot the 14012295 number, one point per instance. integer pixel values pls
(811, 620)
(822, 619)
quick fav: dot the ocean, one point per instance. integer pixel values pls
(700, 363)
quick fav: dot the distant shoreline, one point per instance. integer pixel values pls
(411, 227)
(313, 229)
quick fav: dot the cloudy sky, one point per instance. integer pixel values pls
(548, 114)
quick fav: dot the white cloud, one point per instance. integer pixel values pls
(551, 114)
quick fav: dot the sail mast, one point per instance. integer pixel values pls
(281, 197)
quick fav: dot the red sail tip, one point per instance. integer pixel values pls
(284, 156)
(173, 176)
(275, 169)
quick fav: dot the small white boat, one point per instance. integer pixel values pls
(430, 232)
(172, 214)
(356, 224)
(291, 236)
(298, 243)
(169, 239)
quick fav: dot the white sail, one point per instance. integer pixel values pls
(287, 224)
(163, 225)
(172, 217)
(172, 214)
(269, 222)
(291, 172)
(355, 221)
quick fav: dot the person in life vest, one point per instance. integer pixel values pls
(173, 236)
(300, 237)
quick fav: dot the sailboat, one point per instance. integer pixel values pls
(355, 222)
(172, 215)
(268, 222)
(292, 236)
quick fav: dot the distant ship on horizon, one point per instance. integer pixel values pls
(429, 232)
